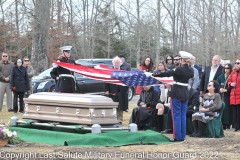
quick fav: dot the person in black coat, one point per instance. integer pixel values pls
(210, 73)
(118, 93)
(147, 102)
(19, 84)
(65, 78)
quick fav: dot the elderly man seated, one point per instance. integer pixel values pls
(142, 114)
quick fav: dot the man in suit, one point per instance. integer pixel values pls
(193, 64)
(118, 93)
(125, 65)
(210, 73)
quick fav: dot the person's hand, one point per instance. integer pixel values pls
(142, 103)
(6, 79)
(107, 92)
(203, 110)
(233, 84)
(201, 94)
(168, 86)
(161, 86)
(222, 90)
(57, 78)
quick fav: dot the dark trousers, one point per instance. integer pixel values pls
(17, 95)
(169, 119)
(236, 116)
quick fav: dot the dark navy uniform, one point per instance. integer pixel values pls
(179, 98)
(66, 82)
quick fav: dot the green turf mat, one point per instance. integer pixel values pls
(106, 138)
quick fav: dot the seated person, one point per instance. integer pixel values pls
(163, 106)
(146, 105)
(209, 109)
(193, 104)
(193, 101)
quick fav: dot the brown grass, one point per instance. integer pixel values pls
(222, 148)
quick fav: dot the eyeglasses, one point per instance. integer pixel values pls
(26, 60)
(226, 68)
(67, 51)
(4, 56)
(237, 63)
(176, 59)
(210, 85)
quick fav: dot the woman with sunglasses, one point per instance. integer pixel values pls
(208, 110)
(234, 84)
(169, 62)
(19, 84)
(225, 93)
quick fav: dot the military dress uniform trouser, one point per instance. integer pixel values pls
(179, 111)
(5, 88)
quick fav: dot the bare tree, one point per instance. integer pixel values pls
(40, 39)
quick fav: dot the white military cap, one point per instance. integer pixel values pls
(185, 55)
(66, 48)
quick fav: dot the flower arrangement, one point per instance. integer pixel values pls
(8, 135)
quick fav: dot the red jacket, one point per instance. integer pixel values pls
(235, 91)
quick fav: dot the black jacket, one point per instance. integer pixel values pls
(151, 99)
(60, 70)
(205, 77)
(193, 99)
(19, 79)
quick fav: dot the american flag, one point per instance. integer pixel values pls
(119, 77)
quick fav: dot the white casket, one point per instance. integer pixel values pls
(70, 108)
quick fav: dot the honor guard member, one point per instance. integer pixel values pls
(64, 77)
(179, 95)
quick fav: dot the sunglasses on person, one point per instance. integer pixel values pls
(176, 59)
(4, 56)
(237, 63)
(67, 51)
(26, 60)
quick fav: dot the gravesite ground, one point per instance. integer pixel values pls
(192, 148)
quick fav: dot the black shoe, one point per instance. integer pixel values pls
(10, 110)
(166, 131)
(175, 140)
(21, 112)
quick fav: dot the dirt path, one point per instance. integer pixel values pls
(192, 148)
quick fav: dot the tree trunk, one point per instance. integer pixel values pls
(40, 39)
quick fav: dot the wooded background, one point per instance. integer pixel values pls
(106, 28)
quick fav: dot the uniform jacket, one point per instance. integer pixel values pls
(5, 70)
(182, 74)
(19, 79)
(64, 84)
(235, 91)
(205, 77)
